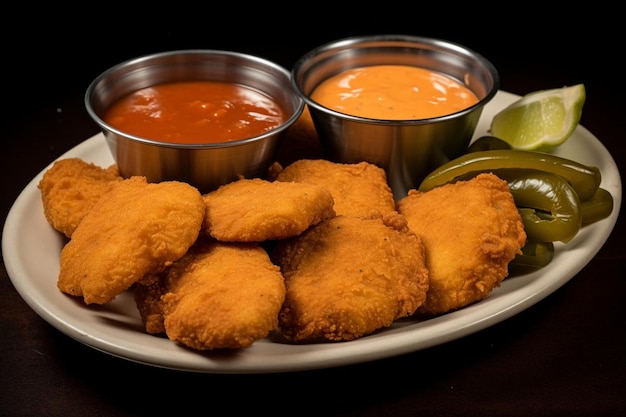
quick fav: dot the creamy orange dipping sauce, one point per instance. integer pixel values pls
(195, 112)
(393, 92)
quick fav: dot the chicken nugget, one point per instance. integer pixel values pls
(137, 230)
(471, 230)
(359, 190)
(217, 296)
(348, 276)
(256, 210)
(70, 188)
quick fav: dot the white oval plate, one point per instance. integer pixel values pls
(31, 250)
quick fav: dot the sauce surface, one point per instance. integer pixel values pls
(195, 112)
(393, 92)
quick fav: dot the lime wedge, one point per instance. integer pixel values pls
(542, 120)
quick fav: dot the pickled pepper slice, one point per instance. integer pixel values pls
(598, 207)
(549, 206)
(584, 179)
(534, 255)
(488, 143)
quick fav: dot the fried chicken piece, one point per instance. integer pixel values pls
(471, 230)
(348, 277)
(137, 230)
(70, 188)
(217, 296)
(147, 293)
(359, 190)
(256, 210)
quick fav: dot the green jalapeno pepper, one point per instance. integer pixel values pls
(488, 143)
(598, 207)
(534, 255)
(549, 206)
(584, 179)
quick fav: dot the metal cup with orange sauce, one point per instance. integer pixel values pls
(406, 144)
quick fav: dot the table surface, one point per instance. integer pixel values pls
(563, 356)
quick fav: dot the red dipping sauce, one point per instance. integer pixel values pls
(196, 112)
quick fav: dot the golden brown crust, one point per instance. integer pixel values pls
(147, 295)
(70, 188)
(256, 210)
(137, 230)
(471, 231)
(218, 296)
(349, 276)
(359, 190)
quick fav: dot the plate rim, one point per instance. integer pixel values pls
(386, 343)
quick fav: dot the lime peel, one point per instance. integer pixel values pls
(541, 120)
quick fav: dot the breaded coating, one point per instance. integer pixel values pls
(218, 296)
(359, 190)
(471, 230)
(348, 277)
(147, 294)
(70, 188)
(256, 210)
(137, 230)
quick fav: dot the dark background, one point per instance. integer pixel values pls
(51, 57)
(564, 356)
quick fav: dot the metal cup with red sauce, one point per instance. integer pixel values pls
(174, 119)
